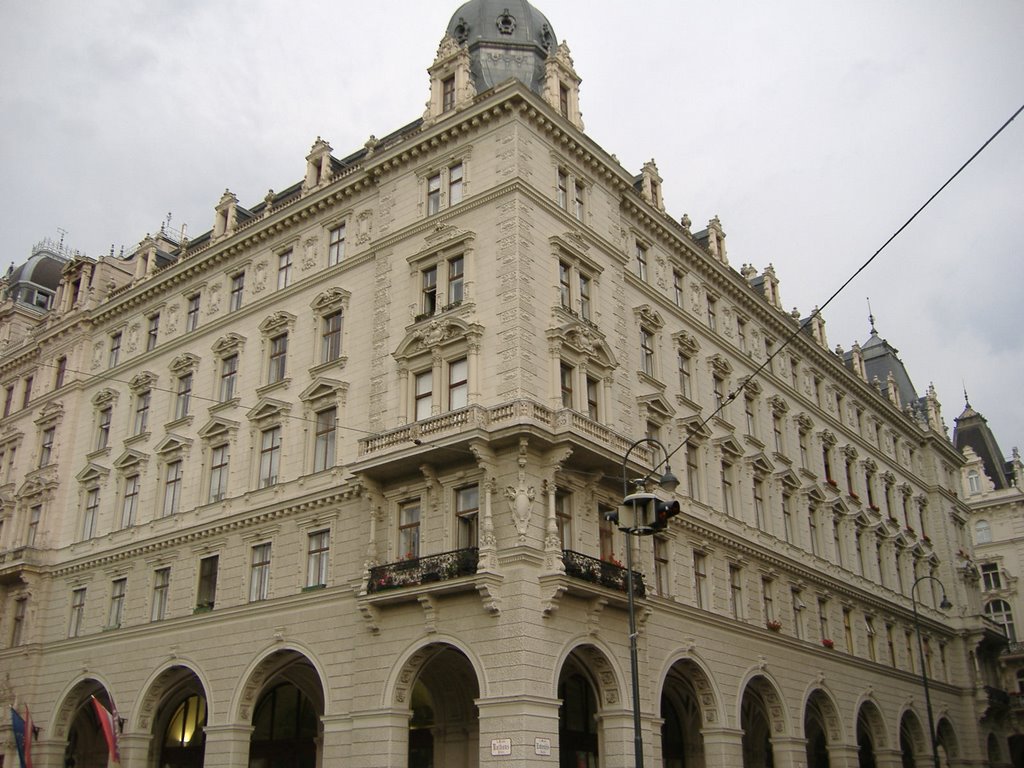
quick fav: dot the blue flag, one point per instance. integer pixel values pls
(20, 735)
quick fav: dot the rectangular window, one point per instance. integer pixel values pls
(563, 100)
(991, 577)
(759, 520)
(18, 623)
(712, 314)
(661, 563)
(455, 184)
(685, 380)
(429, 290)
(115, 349)
(563, 519)
(141, 421)
(778, 434)
(424, 397)
(277, 363)
(564, 281)
(336, 245)
(270, 456)
(823, 619)
(458, 384)
(183, 399)
(27, 393)
(161, 588)
(798, 606)
(890, 645)
(8, 400)
(718, 390)
(768, 600)
(34, 516)
(409, 531)
(330, 337)
(46, 446)
(456, 280)
(284, 269)
(218, 472)
(592, 398)
(677, 287)
(448, 93)
(228, 377)
(787, 515)
(641, 262)
(118, 587)
(728, 501)
(92, 509)
(566, 374)
(433, 194)
(736, 591)
(77, 620)
(869, 629)
(206, 594)
(803, 438)
(578, 200)
(318, 557)
(741, 335)
(605, 532)
(700, 580)
(467, 508)
(848, 629)
(259, 574)
(693, 472)
(237, 292)
(172, 488)
(62, 370)
(130, 507)
(192, 312)
(585, 297)
(563, 190)
(647, 352)
(749, 416)
(326, 429)
(152, 332)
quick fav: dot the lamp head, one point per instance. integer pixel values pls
(669, 481)
(945, 604)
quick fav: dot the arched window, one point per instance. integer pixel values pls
(973, 482)
(999, 611)
(982, 532)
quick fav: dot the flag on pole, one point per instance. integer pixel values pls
(109, 726)
(22, 727)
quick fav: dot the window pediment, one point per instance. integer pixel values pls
(687, 343)
(227, 345)
(759, 462)
(788, 477)
(850, 453)
(804, 423)
(37, 485)
(93, 473)
(104, 398)
(813, 495)
(695, 429)
(216, 428)
(778, 405)
(827, 438)
(751, 386)
(839, 508)
(720, 365)
(173, 444)
(437, 334)
(572, 246)
(130, 459)
(870, 467)
(185, 363)
(324, 389)
(657, 405)
(50, 413)
(331, 300)
(443, 239)
(277, 323)
(268, 408)
(143, 381)
(584, 341)
(728, 445)
(648, 317)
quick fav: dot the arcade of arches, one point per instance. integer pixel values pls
(282, 704)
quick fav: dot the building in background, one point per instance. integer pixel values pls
(330, 483)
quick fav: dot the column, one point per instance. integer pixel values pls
(379, 739)
(723, 747)
(618, 738)
(134, 750)
(227, 746)
(530, 723)
(843, 756)
(46, 753)
(337, 740)
(790, 752)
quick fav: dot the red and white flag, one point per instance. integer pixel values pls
(108, 723)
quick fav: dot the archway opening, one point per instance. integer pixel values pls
(184, 738)
(947, 742)
(911, 740)
(578, 741)
(85, 746)
(444, 726)
(869, 735)
(286, 725)
(816, 732)
(682, 744)
(757, 731)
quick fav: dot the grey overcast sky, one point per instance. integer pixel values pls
(812, 128)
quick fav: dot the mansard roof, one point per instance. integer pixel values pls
(971, 429)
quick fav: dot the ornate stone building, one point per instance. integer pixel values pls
(329, 484)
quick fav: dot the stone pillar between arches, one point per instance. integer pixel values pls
(380, 738)
(134, 750)
(843, 756)
(336, 741)
(723, 747)
(888, 758)
(46, 753)
(790, 752)
(227, 746)
(523, 720)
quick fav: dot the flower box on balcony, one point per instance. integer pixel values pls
(774, 625)
(828, 642)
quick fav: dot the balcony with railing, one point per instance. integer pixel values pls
(421, 571)
(601, 572)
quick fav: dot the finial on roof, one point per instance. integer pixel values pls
(967, 401)
(871, 317)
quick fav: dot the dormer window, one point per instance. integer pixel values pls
(448, 93)
(563, 100)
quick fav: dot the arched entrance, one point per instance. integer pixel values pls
(579, 688)
(174, 711)
(756, 716)
(911, 740)
(85, 745)
(820, 729)
(870, 734)
(444, 726)
(949, 749)
(286, 717)
(682, 744)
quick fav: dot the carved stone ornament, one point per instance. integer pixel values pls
(309, 253)
(437, 332)
(520, 503)
(143, 381)
(184, 363)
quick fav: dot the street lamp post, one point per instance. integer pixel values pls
(944, 605)
(639, 527)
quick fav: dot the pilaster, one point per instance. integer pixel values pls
(227, 746)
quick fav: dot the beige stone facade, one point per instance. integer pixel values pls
(332, 478)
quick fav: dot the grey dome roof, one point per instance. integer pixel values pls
(506, 38)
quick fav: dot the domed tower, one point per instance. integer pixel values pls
(490, 41)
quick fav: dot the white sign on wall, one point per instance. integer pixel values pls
(501, 746)
(542, 746)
